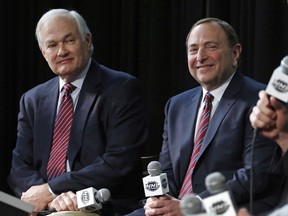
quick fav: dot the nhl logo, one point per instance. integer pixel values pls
(85, 197)
(152, 186)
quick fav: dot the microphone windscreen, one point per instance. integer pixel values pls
(278, 83)
(191, 205)
(284, 65)
(103, 195)
(215, 182)
(154, 168)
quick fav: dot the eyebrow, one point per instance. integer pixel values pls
(64, 37)
(206, 43)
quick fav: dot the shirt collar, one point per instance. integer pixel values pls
(78, 82)
(218, 92)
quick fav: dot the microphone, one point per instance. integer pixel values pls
(220, 202)
(192, 205)
(156, 183)
(278, 88)
(278, 84)
(90, 199)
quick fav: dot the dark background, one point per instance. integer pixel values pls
(145, 38)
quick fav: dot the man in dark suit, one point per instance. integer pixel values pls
(271, 117)
(108, 131)
(213, 53)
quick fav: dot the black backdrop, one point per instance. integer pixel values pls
(145, 38)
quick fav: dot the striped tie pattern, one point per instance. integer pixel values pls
(57, 159)
(203, 126)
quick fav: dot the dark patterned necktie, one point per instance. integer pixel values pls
(56, 165)
(203, 126)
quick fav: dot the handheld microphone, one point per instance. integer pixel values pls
(90, 199)
(220, 202)
(278, 88)
(278, 84)
(192, 205)
(156, 183)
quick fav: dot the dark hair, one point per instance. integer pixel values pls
(227, 28)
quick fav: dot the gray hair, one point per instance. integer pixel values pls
(81, 24)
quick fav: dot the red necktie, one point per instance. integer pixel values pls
(203, 126)
(56, 165)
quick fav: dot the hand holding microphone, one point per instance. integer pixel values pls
(270, 115)
(277, 88)
(87, 200)
(156, 187)
(156, 183)
(90, 199)
(278, 84)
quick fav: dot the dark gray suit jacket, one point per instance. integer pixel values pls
(107, 137)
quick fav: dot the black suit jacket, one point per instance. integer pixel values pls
(108, 133)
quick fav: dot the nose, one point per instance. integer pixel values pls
(201, 55)
(62, 50)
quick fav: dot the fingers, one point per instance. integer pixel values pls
(262, 118)
(153, 206)
(271, 102)
(164, 205)
(264, 97)
(65, 201)
(243, 212)
(263, 115)
(276, 104)
(39, 196)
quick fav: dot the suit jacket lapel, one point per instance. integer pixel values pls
(187, 147)
(228, 99)
(47, 114)
(87, 97)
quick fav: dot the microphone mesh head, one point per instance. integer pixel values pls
(103, 195)
(284, 65)
(191, 205)
(154, 168)
(215, 182)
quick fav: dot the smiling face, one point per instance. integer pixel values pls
(63, 47)
(210, 58)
